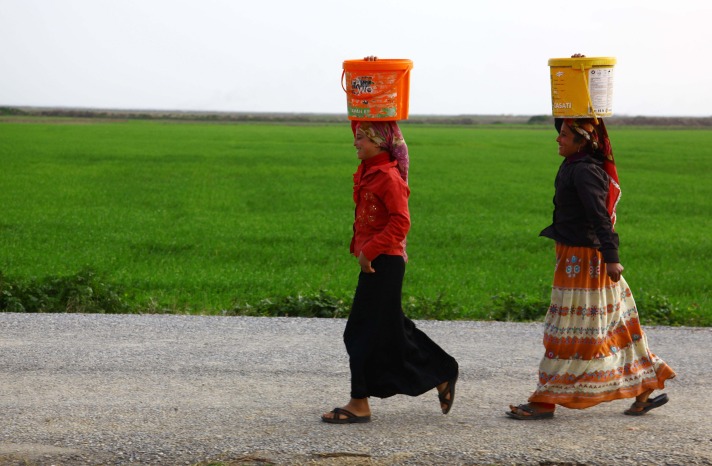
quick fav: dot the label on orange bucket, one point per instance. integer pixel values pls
(373, 95)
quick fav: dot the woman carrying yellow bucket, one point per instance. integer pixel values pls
(595, 348)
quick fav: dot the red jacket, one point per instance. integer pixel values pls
(382, 219)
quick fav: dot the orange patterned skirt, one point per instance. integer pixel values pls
(596, 350)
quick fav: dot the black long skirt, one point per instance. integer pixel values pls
(388, 355)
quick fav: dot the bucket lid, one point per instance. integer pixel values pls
(381, 64)
(586, 62)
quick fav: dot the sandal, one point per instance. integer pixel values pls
(350, 418)
(449, 390)
(645, 406)
(532, 416)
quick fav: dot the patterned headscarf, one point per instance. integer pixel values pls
(595, 133)
(388, 136)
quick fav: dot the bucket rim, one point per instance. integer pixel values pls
(381, 64)
(587, 62)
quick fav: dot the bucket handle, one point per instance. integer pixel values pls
(377, 94)
(584, 74)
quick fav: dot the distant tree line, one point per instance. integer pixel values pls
(330, 118)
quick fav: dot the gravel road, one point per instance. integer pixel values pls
(182, 390)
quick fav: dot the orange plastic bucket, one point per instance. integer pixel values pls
(582, 87)
(377, 90)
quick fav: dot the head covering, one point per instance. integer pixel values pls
(595, 133)
(388, 136)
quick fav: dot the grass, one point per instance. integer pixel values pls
(240, 218)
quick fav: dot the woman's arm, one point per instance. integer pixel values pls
(614, 270)
(592, 187)
(365, 264)
(393, 192)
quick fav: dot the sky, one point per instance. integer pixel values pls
(471, 57)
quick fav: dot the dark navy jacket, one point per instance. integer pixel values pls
(580, 214)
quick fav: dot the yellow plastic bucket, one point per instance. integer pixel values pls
(582, 87)
(377, 90)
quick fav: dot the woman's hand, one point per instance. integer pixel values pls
(365, 264)
(614, 271)
(371, 58)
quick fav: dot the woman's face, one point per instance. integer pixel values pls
(365, 148)
(567, 145)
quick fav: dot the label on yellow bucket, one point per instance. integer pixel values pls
(580, 89)
(373, 94)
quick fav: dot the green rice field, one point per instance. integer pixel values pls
(202, 217)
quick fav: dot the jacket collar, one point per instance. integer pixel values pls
(378, 159)
(582, 157)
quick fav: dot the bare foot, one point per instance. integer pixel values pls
(643, 397)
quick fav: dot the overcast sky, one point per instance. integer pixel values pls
(470, 56)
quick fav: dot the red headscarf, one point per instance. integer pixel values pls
(596, 134)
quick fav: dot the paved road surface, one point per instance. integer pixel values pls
(100, 389)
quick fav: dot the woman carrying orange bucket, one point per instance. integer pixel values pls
(595, 349)
(388, 355)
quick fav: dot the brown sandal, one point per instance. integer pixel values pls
(449, 390)
(532, 416)
(350, 418)
(645, 406)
